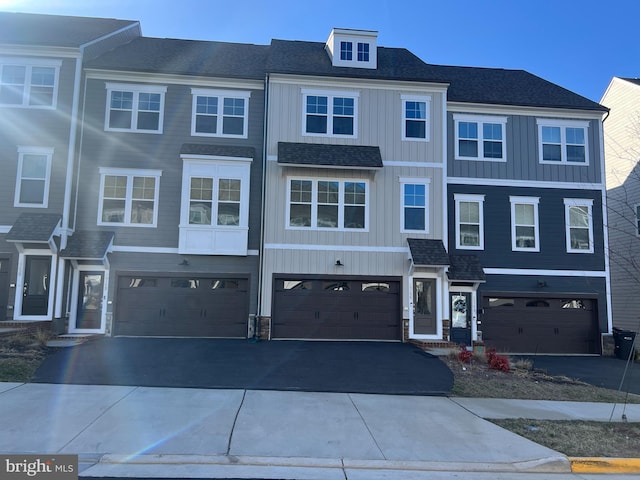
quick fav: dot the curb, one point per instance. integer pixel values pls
(604, 465)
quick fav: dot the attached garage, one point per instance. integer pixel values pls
(514, 324)
(180, 306)
(337, 308)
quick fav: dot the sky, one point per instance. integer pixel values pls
(578, 44)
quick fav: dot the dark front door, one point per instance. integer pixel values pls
(424, 306)
(4, 287)
(89, 314)
(35, 291)
(460, 317)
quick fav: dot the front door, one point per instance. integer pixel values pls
(4, 287)
(461, 317)
(35, 291)
(424, 306)
(89, 303)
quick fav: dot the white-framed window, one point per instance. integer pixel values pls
(34, 172)
(220, 113)
(330, 113)
(363, 52)
(525, 229)
(480, 138)
(469, 221)
(414, 204)
(29, 83)
(214, 201)
(134, 108)
(346, 51)
(563, 141)
(129, 197)
(416, 111)
(579, 225)
(327, 204)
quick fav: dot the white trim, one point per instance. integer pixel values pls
(38, 151)
(331, 96)
(605, 223)
(444, 201)
(334, 248)
(470, 198)
(29, 63)
(5, 228)
(489, 109)
(563, 125)
(480, 121)
(172, 79)
(359, 83)
(441, 289)
(578, 202)
(533, 201)
(136, 90)
(547, 273)
(394, 163)
(507, 182)
(73, 316)
(216, 158)
(143, 249)
(422, 181)
(221, 95)
(474, 306)
(426, 99)
(20, 280)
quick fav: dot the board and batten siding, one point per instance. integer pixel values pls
(379, 119)
(523, 155)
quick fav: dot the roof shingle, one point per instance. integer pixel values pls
(88, 245)
(428, 253)
(465, 268)
(320, 155)
(34, 227)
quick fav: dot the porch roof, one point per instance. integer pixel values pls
(428, 253)
(332, 156)
(465, 268)
(34, 228)
(88, 245)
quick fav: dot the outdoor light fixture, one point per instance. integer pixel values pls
(542, 284)
(339, 263)
(184, 262)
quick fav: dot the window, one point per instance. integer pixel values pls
(563, 141)
(414, 216)
(218, 113)
(128, 197)
(134, 108)
(226, 207)
(363, 52)
(480, 138)
(469, 221)
(330, 113)
(346, 50)
(579, 225)
(415, 115)
(524, 224)
(327, 204)
(28, 83)
(32, 182)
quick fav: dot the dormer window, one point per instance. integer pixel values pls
(346, 51)
(363, 52)
(352, 48)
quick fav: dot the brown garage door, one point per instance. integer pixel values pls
(182, 306)
(336, 309)
(540, 325)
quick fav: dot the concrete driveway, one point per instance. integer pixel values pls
(342, 367)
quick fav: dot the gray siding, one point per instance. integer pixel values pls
(523, 156)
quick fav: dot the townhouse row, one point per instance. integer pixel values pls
(337, 190)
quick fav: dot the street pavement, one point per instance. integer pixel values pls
(235, 433)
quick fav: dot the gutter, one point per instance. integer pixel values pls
(258, 323)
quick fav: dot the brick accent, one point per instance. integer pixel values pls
(264, 327)
(25, 326)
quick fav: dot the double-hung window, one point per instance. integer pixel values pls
(469, 221)
(480, 138)
(525, 230)
(34, 171)
(327, 204)
(29, 83)
(129, 197)
(415, 117)
(214, 201)
(579, 225)
(220, 113)
(346, 51)
(330, 113)
(134, 108)
(414, 216)
(363, 52)
(563, 141)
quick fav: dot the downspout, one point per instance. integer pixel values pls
(605, 230)
(256, 333)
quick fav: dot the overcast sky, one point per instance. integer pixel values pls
(578, 44)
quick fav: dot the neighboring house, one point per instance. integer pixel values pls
(170, 167)
(526, 196)
(41, 59)
(622, 152)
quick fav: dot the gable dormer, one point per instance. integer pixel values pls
(353, 48)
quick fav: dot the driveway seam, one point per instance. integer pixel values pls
(97, 418)
(235, 419)
(367, 427)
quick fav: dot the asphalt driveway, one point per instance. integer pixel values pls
(346, 367)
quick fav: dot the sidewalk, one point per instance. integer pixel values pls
(146, 432)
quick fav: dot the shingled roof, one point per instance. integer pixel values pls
(34, 228)
(88, 245)
(465, 268)
(56, 30)
(427, 252)
(320, 155)
(187, 57)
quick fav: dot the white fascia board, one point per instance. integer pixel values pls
(488, 109)
(417, 88)
(548, 273)
(160, 78)
(334, 248)
(500, 182)
(40, 51)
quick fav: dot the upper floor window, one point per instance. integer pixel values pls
(579, 225)
(331, 204)
(480, 138)
(219, 113)
(525, 230)
(346, 51)
(32, 182)
(28, 83)
(563, 141)
(414, 203)
(469, 217)
(134, 108)
(415, 117)
(330, 113)
(128, 197)
(363, 52)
